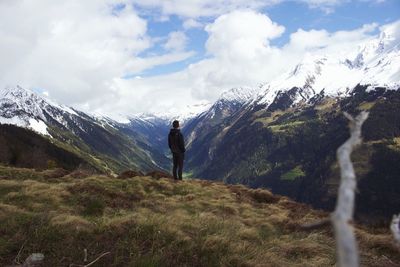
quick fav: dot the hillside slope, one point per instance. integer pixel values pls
(285, 136)
(114, 145)
(23, 148)
(291, 150)
(142, 221)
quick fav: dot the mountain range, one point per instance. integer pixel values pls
(285, 136)
(102, 143)
(281, 135)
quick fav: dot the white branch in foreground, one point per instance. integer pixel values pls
(347, 250)
(33, 260)
(395, 227)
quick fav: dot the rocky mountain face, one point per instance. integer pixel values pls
(292, 150)
(111, 146)
(102, 142)
(204, 131)
(285, 134)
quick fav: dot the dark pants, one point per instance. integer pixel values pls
(178, 165)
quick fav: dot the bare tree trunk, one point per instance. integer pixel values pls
(33, 260)
(395, 227)
(346, 245)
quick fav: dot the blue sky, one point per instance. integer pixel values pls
(291, 14)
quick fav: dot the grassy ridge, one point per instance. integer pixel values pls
(142, 221)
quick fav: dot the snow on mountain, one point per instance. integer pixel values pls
(377, 64)
(228, 103)
(38, 126)
(147, 120)
(191, 111)
(24, 108)
(182, 115)
(239, 95)
(383, 68)
(312, 75)
(382, 59)
(24, 101)
(383, 71)
(235, 96)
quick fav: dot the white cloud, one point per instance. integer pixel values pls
(323, 41)
(239, 45)
(138, 64)
(191, 23)
(240, 53)
(393, 29)
(73, 48)
(326, 5)
(241, 34)
(78, 50)
(177, 41)
(67, 46)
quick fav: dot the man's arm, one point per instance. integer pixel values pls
(169, 141)
(182, 143)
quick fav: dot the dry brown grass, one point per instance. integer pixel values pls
(144, 221)
(243, 193)
(129, 174)
(55, 173)
(71, 223)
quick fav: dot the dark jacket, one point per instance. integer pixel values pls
(176, 142)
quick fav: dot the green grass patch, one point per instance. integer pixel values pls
(281, 128)
(294, 173)
(366, 106)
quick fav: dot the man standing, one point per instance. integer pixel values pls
(177, 146)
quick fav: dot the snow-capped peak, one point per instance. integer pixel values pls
(181, 114)
(149, 118)
(377, 63)
(382, 67)
(390, 35)
(16, 92)
(25, 108)
(239, 94)
(25, 101)
(186, 113)
(191, 111)
(387, 42)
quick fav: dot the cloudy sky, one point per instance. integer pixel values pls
(130, 56)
